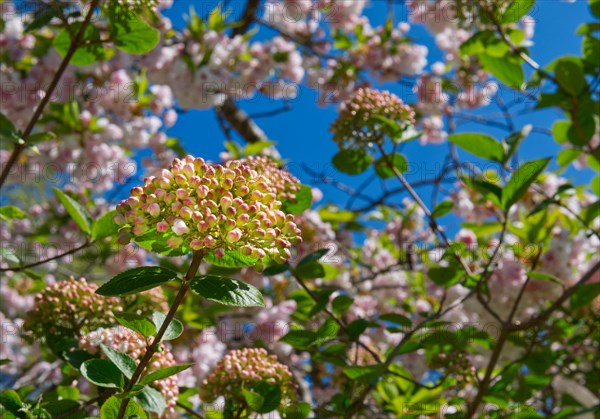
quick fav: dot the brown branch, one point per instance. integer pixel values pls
(153, 348)
(241, 122)
(41, 262)
(75, 43)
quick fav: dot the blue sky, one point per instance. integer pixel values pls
(302, 134)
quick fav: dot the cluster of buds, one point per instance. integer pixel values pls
(362, 119)
(284, 183)
(246, 368)
(70, 308)
(195, 206)
(129, 342)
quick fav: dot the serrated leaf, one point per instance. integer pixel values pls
(341, 304)
(481, 145)
(254, 400)
(504, 69)
(86, 54)
(103, 373)
(136, 280)
(10, 212)
(516, 10)
(443, 276)
(520, 181)
(585, 295)
(105, 226)
(302, 202)
(174, 330)
(137, 323)
(76, 211)
(123, 362)
(299, 339)
(110, 409)
(227, 291)
(164, 373)
(382, 165)
(151, 400)
(352, 161)
(442, 209)
(134, 36)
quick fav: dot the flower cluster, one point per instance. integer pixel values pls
(362, 119)
(126, 341)
(220, 208)
(70, 308)
(245, 368)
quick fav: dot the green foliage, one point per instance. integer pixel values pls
(76, 211)
(227, 291)
(110, 409)
(89, 50)
(481, 145)
(136, 280)
(137, 323)
(164, 373)
(520, 181)
(134, 36)
(352, 161)
(103, 373)
(382, 165)
(174, 330)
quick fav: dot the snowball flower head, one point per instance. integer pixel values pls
(69, 308)
(362, 119)
(245, 369)
(216, 209)
(127, 341)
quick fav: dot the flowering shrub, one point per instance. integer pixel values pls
(459, 279)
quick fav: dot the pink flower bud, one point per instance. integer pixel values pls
(162, 227)
(234, 235)
(154, 209)
(196, 244)
(181, 193)
(179, 227)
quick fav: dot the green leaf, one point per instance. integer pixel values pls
(151, 400)
(227, 291)
(396, 318)
(570, 76)
(77, 213)
(103, 373)
(298, 410)
(481, 145)
(382, 167)
(40, 137)
(105, 226)
(309, 267)
(232, 259)
(254, 400)
(86, 54)
(124, 362)
(442, 209)
(10, 212)
(328, 330)
(136, 280)
(516, 10)
(520, 181)
(443, 276)
(299, 339)
(352, 161)
(137, 323)
(595, 8)
(255, 148)
(542, 276)
(271, 394)
(584, 295)
(302, 202)
(504, 69)
(11, 401)
(164, 373)
(134, 36)
(174, 330)
(71, 407)
(341, 304)
(276, 269)
(364, 374)
(6, 124)
(357, 328)
(110, 409)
